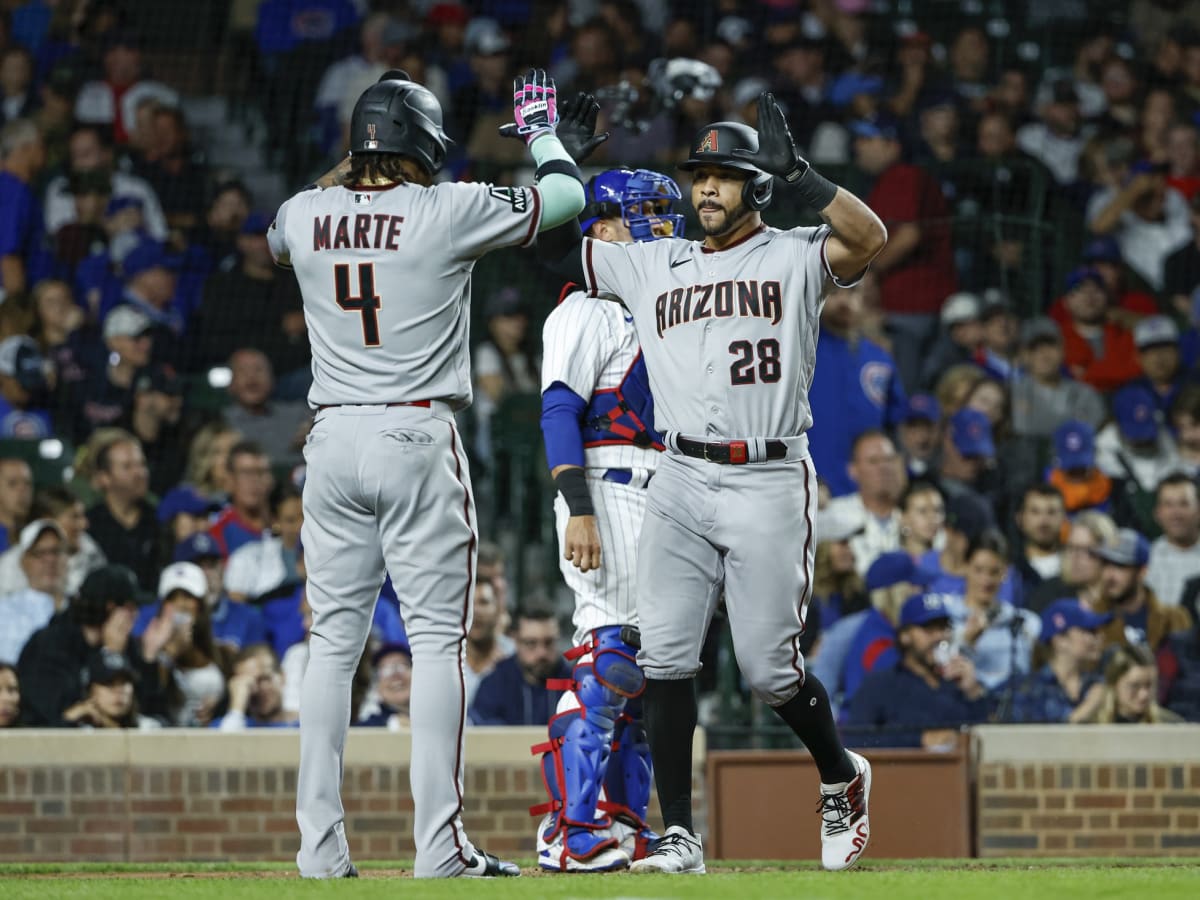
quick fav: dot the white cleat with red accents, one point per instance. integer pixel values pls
(845, 828)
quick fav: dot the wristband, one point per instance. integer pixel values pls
(572, 484)
(815, 190)
(559, 167)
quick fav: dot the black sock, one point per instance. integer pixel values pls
(809, 715)
(670, 710)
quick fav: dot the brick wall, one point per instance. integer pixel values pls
(182, 795)
(1138, 793)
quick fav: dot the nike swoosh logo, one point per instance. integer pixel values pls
(678, 263)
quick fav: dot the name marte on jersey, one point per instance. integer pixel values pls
(721, 300)
(361, 232)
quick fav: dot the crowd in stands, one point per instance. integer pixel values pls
(1007, 415)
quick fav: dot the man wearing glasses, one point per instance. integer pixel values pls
(515, 692)
(248, 514)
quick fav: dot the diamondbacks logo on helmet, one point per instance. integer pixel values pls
(370, 143)
(709, 142)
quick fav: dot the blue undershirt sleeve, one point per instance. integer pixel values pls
(562, 415)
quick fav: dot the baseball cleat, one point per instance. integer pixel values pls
(556, 858)
(350, 872)
(678, 852)
(484, 865)
(845, 828)
(635, 842)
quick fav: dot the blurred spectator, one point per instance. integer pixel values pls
(1044, 398)
(155, 419)
(1040, 521)
(801, 82)
(393, 683)
(280, 428)
(1127, 303)
(916, 268)
(1148, 219)
(877, 470)
(1178, 672)
(916, 76)
(1138, 616)
(961, 335)
(1082, 570)
(917, 433)
(1097, 350)
(57, 332)
(90, 151)
(968, 454)
(42, 560)
(1182, 147)
(22, 155)
(927, 693)
(1157, 341)
(479, 105)
(94, 628)
(208, 458)
(175, 169)
(1073, 471)
(1137, 452)
(967, 517)
(1181, 270)
(17, 95)
(228, 212)
(922, 516)
(16, 496)
(184, 511)
(110, 701)
(504, 362)
(955, 386)
(285, 25)
(1175, 556)
(855, 388)
(123, 522)
(151, 276)
(838, 589)
(114, 99)
(248, 514)
(515, 691)
(940, 135)
(1057, 139)
(55, 115)
(105, 398)
(83, 554)
(1185, 419)
(492, 566)
(1001, 330)
(256, 693)
(1066, 688)
(486, 643)
(1130, 690)
(994, 634)
(24, 389)
(10, 697)
(250, 305)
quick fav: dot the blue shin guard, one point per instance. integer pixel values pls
(628, 780)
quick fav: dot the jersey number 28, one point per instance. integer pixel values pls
(742, 369)
(365, 302)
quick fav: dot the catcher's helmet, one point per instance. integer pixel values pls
(714, 144)
(396, 115)
(626, 193)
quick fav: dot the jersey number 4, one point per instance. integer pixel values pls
(742, 369)
(366, 303)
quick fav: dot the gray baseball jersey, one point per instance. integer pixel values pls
(385, 277)
(729, 339)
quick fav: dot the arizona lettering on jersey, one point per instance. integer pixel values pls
(723, 299)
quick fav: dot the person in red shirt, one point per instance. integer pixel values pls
(916, 268)
(1128, 305)
(1097, 350)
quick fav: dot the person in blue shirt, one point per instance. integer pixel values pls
(855, 388)
(1067, 688)
(23, 388)
(524, 688)
(22, 257)
(926, 696)
(967, 517)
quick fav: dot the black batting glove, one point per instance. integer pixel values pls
(577, 126)
(776, 152)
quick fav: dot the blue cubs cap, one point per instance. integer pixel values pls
(117, 204)
(851, 84)
(922, 406)
(1136, 411)
(147, 255)
(199, 546)
(971, 432)
(1075, 445)
(1129, 549)
(1069, 613)
(1080, 275)
(879, 127)
(389, 648)
(894, 568)
(1102, 249)
(921, 609)
(184, 499)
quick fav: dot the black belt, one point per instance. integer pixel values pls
(424, 404)
(734, 453)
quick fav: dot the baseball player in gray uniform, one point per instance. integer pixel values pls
(384, 262)
(728, 327)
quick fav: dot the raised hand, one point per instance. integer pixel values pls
(577, 128)
(535, 105)
(776, 152)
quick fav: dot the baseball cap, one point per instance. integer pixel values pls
(1069, 613)
(184, 499)
(995, 302)
(935, 99)
(35, 529)
(182, 576)
(484, 37)
(109, 584)
(107, 668)
(118, 203)
(1153, 331)
(1102, 249)
(960, 307)
(389, 648)
(879, 127)
(850, 84)
(447, 14)
(1040, 330)
(922, 407)
(838, 523)
(894, 568)
(1135, 409)
(125, 321)
(21, 358)
(158, 377)
(1081, 274)
(505, 302)
(200, 545)
(921, 609)
(968, 515)
(1129, 549)
(148, 255)
(734, 30)
(1075, 445)
(971, 432)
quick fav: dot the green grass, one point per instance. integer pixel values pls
(1004, 879)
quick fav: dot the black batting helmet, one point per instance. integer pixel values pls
(397, 115)
(714, 144)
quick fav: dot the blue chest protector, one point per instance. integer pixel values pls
(624, 414)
